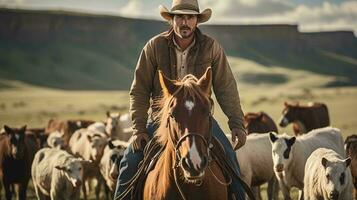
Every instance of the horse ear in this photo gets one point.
(286, 104)
(8, 130)
(168, 86)
(23, 129)
(206, 80)
(108, 113)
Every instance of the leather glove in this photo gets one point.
(238, 138)
(140, 140)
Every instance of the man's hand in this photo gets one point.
(139, 141)
(238, 138)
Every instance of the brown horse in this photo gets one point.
(184, 169)
(305, 118)
(17, 150)
(259, 122)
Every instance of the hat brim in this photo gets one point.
(202, 17)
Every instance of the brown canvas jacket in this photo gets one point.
(159, 53)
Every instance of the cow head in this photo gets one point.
(55, 140)
(96, 146)
(16, 141)
(73, 171)
(116, 153)
(112, 123)
(281, 150)
(335, 176)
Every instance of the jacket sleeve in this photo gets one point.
(225, 88)
(141, 88)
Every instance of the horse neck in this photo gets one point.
(162, 175)
(304, 122)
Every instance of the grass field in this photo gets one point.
(261, 89)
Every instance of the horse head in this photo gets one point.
(16, 141)
(186, 122)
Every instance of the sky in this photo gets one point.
(310, 15)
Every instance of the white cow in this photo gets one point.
(109, 165)
(55, 140)
(256, 163)
(114, 129)
(97, 127)
(126, 123)
(327, 176)
(290, 155)
(89, 145)
(56, 174)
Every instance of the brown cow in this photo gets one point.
(66, 127)
(17, 150)
(259, 122)
(305, 118)
(351, 151)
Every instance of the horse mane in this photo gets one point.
(187, 88)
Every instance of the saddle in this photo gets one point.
(153, 151)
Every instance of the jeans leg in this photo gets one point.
(235, 186)
(129, 164)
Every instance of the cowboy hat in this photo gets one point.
(188, 7)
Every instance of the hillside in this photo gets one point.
(77, 51)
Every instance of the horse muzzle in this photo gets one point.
(194, 170)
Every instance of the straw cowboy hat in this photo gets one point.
(189, 7)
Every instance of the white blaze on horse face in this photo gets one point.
(194, 155)
(284, 121)
(189, 106)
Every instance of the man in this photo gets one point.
(180, 51)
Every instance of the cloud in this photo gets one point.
(325, 16)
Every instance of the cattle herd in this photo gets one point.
(68, 157)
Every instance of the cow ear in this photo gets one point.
(168, 86)
(108, 113)
(324, 162)
(89, 137)
(8, 130)
(111, 145)
(59, 167)
(347, 161)
(291, 141)
(272, 137)
(205, 81)
(286, 104)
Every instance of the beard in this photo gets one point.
(186, 32)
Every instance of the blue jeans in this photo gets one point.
(130, 161)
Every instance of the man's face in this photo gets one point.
(184, 25)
